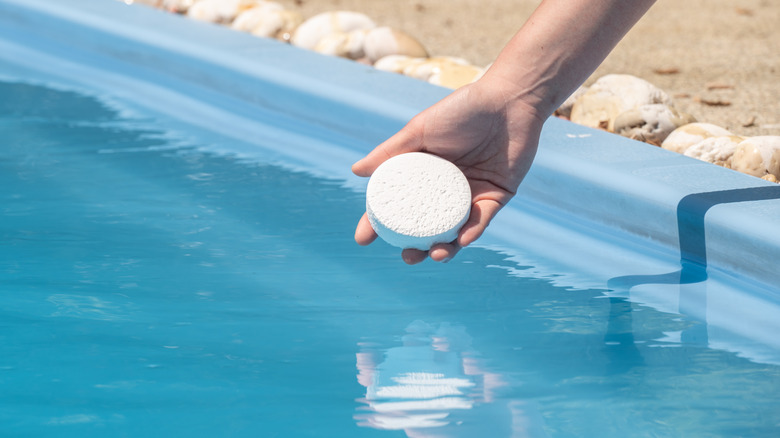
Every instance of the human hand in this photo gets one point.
(491, 137)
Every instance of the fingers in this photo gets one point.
(405, 140)
(364, 233)
(441, 252)
(368, 164)
(482, 212)
(413, 256)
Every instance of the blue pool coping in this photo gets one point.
(202, 74)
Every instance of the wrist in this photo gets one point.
(517, 101)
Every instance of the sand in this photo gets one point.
(719, 59)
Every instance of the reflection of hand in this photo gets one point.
(492, 141)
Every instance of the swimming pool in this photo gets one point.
(177, 259)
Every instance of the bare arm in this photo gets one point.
(560, 45)
(490, 129)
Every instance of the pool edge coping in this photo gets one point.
(579, 171)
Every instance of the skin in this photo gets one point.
(490, 129)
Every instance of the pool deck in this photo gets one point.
(714, 220)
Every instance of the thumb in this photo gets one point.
(482, 212)
(405, 140)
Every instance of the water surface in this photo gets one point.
(150, 287)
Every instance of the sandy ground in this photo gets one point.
(719, 59)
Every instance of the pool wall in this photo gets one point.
(207, 76)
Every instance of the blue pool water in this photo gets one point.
(152, 287)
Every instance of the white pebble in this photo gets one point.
(152, 3)
(416, 200)
(385, 41)
(177, 6)
(565, 109)
(397, 63)
(758, 156)
(610, 96)
(455, 75)
(311, 31)
(688, 135)
(268, 20)
(715, 150)
(427, 67)
(650, 123)
(446, 71)
(343, 44)
(219, 11)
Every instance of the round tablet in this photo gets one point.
(415, 200)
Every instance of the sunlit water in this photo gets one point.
(150, 288)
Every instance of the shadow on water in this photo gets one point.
(692, 275)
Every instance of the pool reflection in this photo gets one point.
(434, 384)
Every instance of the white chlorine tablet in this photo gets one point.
(415, 200)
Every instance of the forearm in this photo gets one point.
(560, 45)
